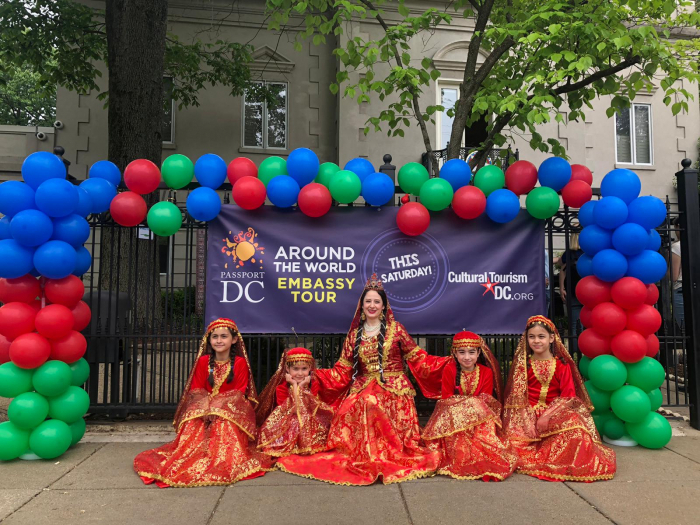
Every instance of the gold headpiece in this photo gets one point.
(221, 323)
(373, 283)
(297, 355)
(466, 340)
(540, 319)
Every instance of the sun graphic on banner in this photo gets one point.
(243, 248)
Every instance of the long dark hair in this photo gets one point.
(380, 337)
(212, 359)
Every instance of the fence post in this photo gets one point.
(688, 206)
(388, 167)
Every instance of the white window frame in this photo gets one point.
(172, 116)
(447, 84)
(633, 137)
(265, 145)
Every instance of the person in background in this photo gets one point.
(568, 290)
(677, 276)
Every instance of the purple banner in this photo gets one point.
(274, 270)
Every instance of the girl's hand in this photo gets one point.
(289, 379)
(543, 423)
(306, 381)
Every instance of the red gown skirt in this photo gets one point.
(375, 434)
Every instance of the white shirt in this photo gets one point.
(676, 250)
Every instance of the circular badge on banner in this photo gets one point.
(413, 270)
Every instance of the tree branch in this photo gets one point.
(568, 88)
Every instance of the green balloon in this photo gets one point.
(178, 171)
(489, 179)
(599, 398)
(436, 194)
(614, 428)
(345, 186)
(52, 378)
(656, 399)
(411, 177)
(607, 372)
(631, 404)
(69, 406)
(646, 374)
(13, 441)
(654, 431)
(542, 202)
(80, 371)
(271, 167)
(601, 418)
(50, 439)
(326, 172)
(583, 365)
(77, 431)
(164, 219)
(14, 380)
(28, 410)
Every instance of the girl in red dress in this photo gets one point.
(547, 412)
(465, 421)
(299, 421)
(215, 420)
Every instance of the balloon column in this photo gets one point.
(619, 267)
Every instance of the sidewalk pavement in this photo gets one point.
(94, 483)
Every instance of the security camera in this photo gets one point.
(58, 124)
(41, 135)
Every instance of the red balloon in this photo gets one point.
(81, 316)
(629, 293)
(314, 200)
(629, 346)
(585, 317)
(469, 202)
(652, 294)
(652, 345)
(4, 349)
(36, 304)
(30, 350)
(582, 173)
(576, 193)
(239, 168)
(69, 348)
(608, 319)
(54, 321)
(521, 177)
(67, 291)
(128, 209)
(142, 176)
(592, 344)
(591, 291)
(413, 218)
(646, 320)
(22, 289)
(249, 193)
(406, 199)
(16, 319)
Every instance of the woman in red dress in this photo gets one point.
(547, 412)
(465, 421)
(215, 420)
(375, 432)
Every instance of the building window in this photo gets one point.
(448, 99)
(265, 116)
(167, 129)
(633, 135)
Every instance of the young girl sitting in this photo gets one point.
(547, 411)
(215, 421)
(463, 426)
(299, 424)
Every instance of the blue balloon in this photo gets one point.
(57, 197)
(621, 183)
(84, 202)
(609, 265)
(377, 189)
(630, 239)
(585, 214)
(584, 266)
(210, 171)
(15, 196)
(203, 204)
(502, 206)
(72, 229)
(5, 228)
(83, 261)
(456, 172)
(104, 169)
(654, 243)
(610, 212)
(647, 211)
(101, 192)
(31, 228)
(360, 167)
(594, 239)
(15, 259)
(41, 166)
(554, 173)
(56, 259)
(649, 267)
(283, 191)
(302, 166)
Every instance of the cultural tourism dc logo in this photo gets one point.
(413, 270)
(243, 249)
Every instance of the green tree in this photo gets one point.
(540, 58)
(22, 102)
